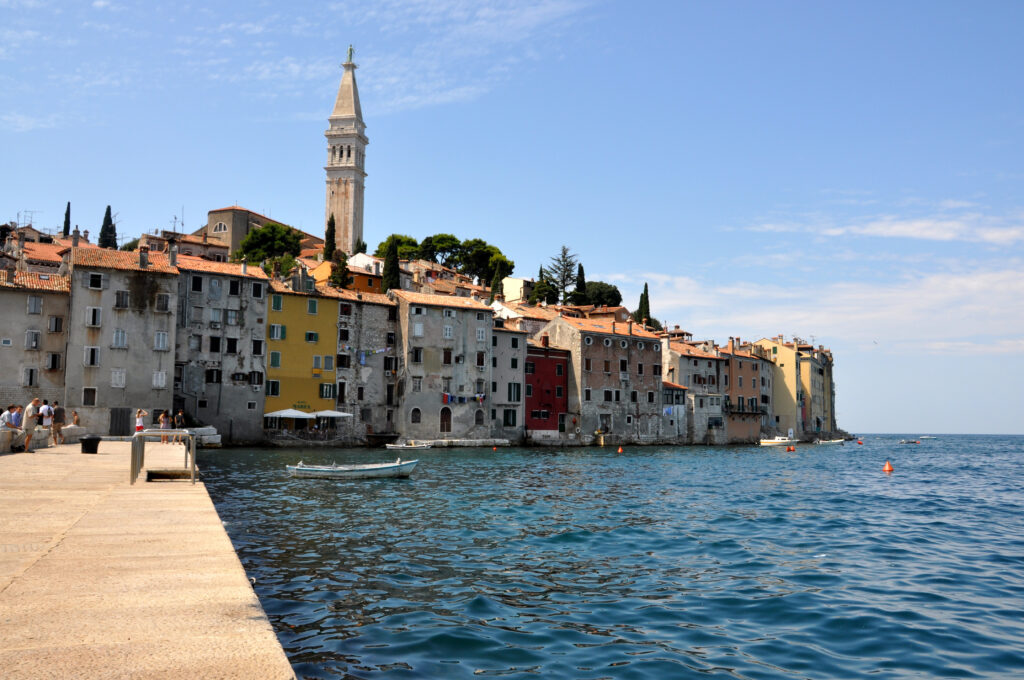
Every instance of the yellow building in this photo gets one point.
(302, 343)
(803, 390)
(788, 402)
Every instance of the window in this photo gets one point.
(234, 287)
(55, 324)
(232, 319)
(417, 330)
(359, 396)
(449, 313)
(232, 345)
(35, 304)
(159, 380)
(417, 355)
(197, 284)
(739, 379)
(617, 395)
(277, 331)
(588, 340)
(160, 341)
(390, 339)
(256, 377)
(481, 359)
(95, 282)
(311, 306)
(30, 377)
(529, 390)
(202, 403)
(446, 356)
(586, 364)
(275, 359)
(117, 377)
(215, 343)
(494, 362)
(656, 370)
(219, 227)
(343, 335)
(633, 396)
(509, 418)
(33, 339)
(558, 391)
(417, 384)
(414, 416)
(639, 369)
(448, 332)
(417, 311)
(623, 366)
(312, 336)
(607, 342)
(560, 369)
(607, 366)
(93, 316)
(250, 405)
(344, 309)
(92, 356)
(276, 303)
(515, 343)
(121, 299)
(257, 290)
(586, 394)
(515, 391)
(607, 395)
(216, 314)
(53, 361)
(317, 362)
(257, 348)
(344, 361)
(650, 397)
(481, 335)
(88, 396)
(213, 375)
(446, 385)
(327, 390)
(163, 302)
(273, 388)
(529, 367)
(514, 362)
(195, 342)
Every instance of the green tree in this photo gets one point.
(131, 245)
(67, 220)
(391, 277)
(340, 277)
(108, 232)
(285, 264)
(561, 272)
(601, 294)
(579, 294)
(270, 241)
(441, 248)
(543, 291)
(360, 246)
(407, 246)
(643, 309)
(329, 238)
(502, 267)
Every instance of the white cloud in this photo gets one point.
(973, 227)
(18, 122)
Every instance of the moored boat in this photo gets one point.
(829, 441)
(359, 471)
(779, 441)
(410, 445)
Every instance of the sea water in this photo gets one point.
(660, 562)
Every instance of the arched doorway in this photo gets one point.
(446, 419)
(479, 417)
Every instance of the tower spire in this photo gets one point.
(346, 155)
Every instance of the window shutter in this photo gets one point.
(282, 331)
(106, 281)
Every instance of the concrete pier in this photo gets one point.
(101, 579)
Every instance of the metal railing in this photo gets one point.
(138, 457)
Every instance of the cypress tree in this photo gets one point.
(497, 285)
(329, 240)
(391, 277)
(108, 232)
(579, 295)
(643, 310)
(67, 220)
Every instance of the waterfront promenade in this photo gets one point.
(100, 579)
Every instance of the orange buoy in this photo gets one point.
(859, 442)
(620, 449)
(790, 448)
(494, 448)
(887, 468)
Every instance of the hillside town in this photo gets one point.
(181, 323)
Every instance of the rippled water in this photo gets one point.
(656, 563)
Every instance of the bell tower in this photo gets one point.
(346, 158)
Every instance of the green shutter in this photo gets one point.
(282, 331)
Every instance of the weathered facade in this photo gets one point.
(33, 339)
(220, 354)
(548, 420)
(508, 378)
(744, 411)
(788, 398)
(698, 368)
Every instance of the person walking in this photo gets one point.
(58, 423)
(46, 411)
(140, 420)
(165, 424)
(179, 424)
(29, 421)
(8, 422)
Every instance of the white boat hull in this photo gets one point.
(779, 441)
(407, 447)
(371, 470)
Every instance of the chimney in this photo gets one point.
(629, 326)
(245, 265)
(376, 270)
(172, 256)
(613, 326)
(644, 322)
(85, 235)
(74, 237)
(205, 238)
(544, 340)
(143, 256)
(21, 240)
(499, 297)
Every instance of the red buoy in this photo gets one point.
(859, 442)
(620, 449)
(887, 468)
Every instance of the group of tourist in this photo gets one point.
(24, 423)
(165, 423)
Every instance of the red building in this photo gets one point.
(547, 391)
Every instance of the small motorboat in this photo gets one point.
(926, 436)
(823, 442)
(410, 445)
(779, 441)
(364, 471)
(910, 441)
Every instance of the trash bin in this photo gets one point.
(90, 443)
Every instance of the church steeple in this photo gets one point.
(346, 155)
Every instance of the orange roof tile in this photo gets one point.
(673, 386)
(691, 351)
(605, 327)
(44, 252)
(503, 329)
(440, 300)
(355, 295)
(533, 312)
(198, 264)
(103, 258)
(35, 281)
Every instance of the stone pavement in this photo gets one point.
(100, 579)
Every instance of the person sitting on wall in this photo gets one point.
(7, 422)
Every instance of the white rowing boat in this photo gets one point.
(408, 446)
(364, 471)
(823, 442)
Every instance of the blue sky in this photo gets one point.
(847, 172)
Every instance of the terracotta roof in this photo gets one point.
(35, 281)
(310, 252)
(309, 263)
(532, 312)
(673, 386)
(440, 300)
(502, 329)
(65, 242)
(355, 295)
(44, 252)
(691, 351)
(198, 264)
(356, 269)
(103, 258)
(605, 327)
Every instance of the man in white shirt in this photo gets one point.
(6, 422)
(29, 422)
(47, 412)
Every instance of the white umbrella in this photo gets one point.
(289, 413)
(332, 414)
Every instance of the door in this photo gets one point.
(446, 419)
(121, 422)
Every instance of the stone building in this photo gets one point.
(187, 244)
(698, 368)
(229, 226)
(33, 336)
(744, 412)
(120, 338)
(444, 352)
(346, 162)
(615, 380)
(548, 420)
(220, 352)
(508, 378)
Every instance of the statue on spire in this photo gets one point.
(351, 54)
